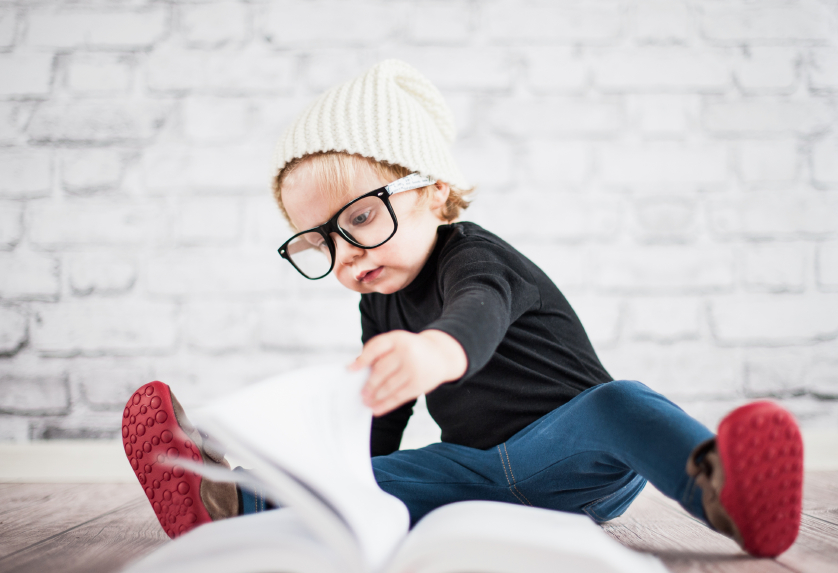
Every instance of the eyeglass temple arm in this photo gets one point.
(408, 183)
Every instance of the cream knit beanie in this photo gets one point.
(389, 113)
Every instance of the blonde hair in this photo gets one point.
(334, 172)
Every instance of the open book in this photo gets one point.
(306, 437)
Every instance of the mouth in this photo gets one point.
(370, 275)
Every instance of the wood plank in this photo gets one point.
(104, 544)
(655, 524)
(38, 511)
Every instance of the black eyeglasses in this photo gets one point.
(366, 222)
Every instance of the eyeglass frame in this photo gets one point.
(406, 183)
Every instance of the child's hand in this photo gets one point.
(405, 365)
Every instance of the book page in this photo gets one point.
(269, 541)
(494, 537)
(312, 425)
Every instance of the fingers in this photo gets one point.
(372, 351)
(382, 371)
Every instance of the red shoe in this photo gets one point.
(751, 476)
(156, 434)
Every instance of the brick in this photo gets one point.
(208, 220)
(776, 372)
(33, 393)
(773, 320)
(328, 67)
(487, 162)
(101, 273)
(453, 68)
(440, 22)
(600, 316)
(684, 371)
(198, 378)
(774, 216)
(824, 165)
(264, 226)
(661, 68)
(105, 326)
(8, 23)
(553, 164)
(91, 170)
(766, 117)
(254, 69)
(665, 269)
(11, 224)
(106, 383)
(821, 378)
(214, 24)
(664, 163)
(14, 429)
(91, 222)
(554, 69)
(13, 119)
(25, 74)
(736, 22)
(26, 173)
(556, 116)
(312, 323)
(28, 276)
(769, 163)
(665, 319)
(764, 69)
(167, 169)
(100, 73)
(827, 265)
(372, 22)
(97, 121)
(106, 28)
(13, 331)
(569, 266)
(213, 272)
(562, 216)
(216, 326)
(215, 120)
(664, 220)
(661, 22)
(663, 114)
(823, 69)
(544, 22)
(774, 267)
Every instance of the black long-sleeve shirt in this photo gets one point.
(527, 350)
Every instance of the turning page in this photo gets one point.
(311, 426)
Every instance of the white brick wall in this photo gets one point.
(671, 164)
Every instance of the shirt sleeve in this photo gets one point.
(485, 288)
(387, 430)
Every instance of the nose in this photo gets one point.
(345, 252)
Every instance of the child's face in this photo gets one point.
(385, 269)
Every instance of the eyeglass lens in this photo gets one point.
(367, 222)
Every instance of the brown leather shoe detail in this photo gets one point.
(220, 498)
(705, 465)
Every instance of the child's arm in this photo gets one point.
(406, 365)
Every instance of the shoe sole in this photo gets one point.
(154, 441)
(762, 454)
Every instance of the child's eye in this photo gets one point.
(360, 218)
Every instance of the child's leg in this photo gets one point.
(156, 434)
(588, 456)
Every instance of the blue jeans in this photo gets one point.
(592, 455)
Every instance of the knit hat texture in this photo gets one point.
(389, 113)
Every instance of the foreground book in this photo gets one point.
(306, 437)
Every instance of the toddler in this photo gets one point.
(528, 413)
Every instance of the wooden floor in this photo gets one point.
(96, 528)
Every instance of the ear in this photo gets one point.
(439, 194)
